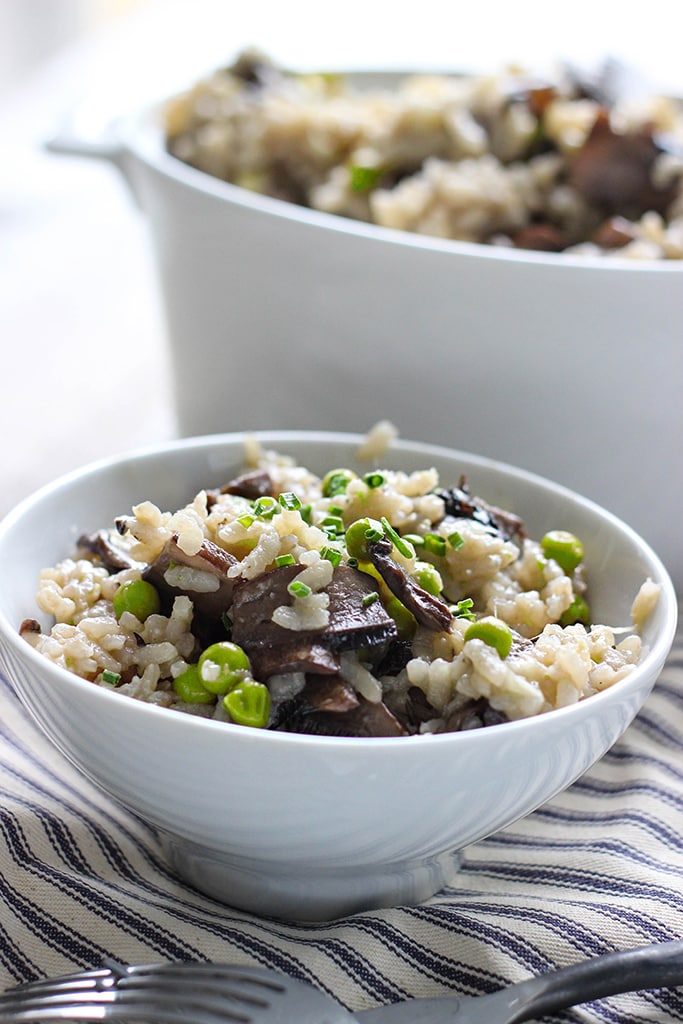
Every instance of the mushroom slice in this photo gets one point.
(253, 485)
(203, 577)
(460, 503)
(367, 719)
(614, 171)
(353, 623)
(30, 628)
(330, 694)
(299, 656)
(475, 714)
(541, 237)
(430, 611)
(101, 544)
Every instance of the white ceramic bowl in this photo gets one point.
(308, 826)
(283, 317)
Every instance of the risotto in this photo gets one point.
(555, 163)
(378, 604)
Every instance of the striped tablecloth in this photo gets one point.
(598, 868)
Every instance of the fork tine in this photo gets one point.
(127, 1006)
(147, 1001)
(251, 986)
(205, 993)
(95, 980)
(145, 1014)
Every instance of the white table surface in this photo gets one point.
(81, 325)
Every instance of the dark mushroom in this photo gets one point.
(535, 93)
(253, 485)
(353, 622)
(614, 171)
(541, 237)
(300, 655)
(330, 694)
(614, 233)
(100, 544)
(459, 503)
(475, 714)
(255, 70)
(364, 720)
(417, 708)
(30, 627)
(396, 658)
(206, 582)
(430, 611)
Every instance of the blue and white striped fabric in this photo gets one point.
(598, 868)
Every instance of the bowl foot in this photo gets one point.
(307, 892)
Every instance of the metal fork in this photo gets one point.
(206, 993)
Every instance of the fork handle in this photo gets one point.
(646, 967)
(657, 966)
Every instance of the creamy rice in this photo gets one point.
(538, 162)
(341, 639)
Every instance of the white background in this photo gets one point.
(84, 363)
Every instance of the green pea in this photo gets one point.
(138, 597)
(564, 548)
(191, 689)
(223, 666)
(248, 704)
(578, 611)
(429, 577)
(493, 632)
(336, 482)
(359, 534)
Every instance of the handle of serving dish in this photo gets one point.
(81, 136)
(75, 137)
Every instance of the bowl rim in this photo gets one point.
(655, 655)
(141, 135)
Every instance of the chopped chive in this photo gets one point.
(455, 540)
(331, 555)
(113, 678)
(336, 482)
(266, 507)
(246, 521)
(414, 538)
(298, 589)
(435, 543)
(399, 542)
(463, 609)
(305, 512)
(370, 599)
(352, 562)
(284, 560)
(373, 480)
(335, 510)
(289, 500)
(335, 523)
(227, 622)
(372, 535)
(363, 178)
